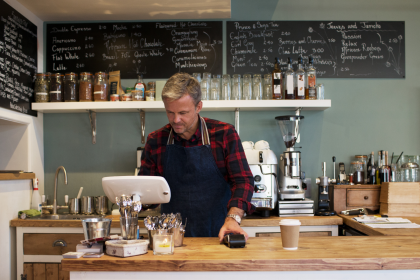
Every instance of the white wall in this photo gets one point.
(22, 147)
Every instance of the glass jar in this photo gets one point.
(48, 78)
(56, 88)
(236, 87)
(247, 87)
(100, 87)
(150, 95)
(152, 88)
(214, 89)
(363, 160)
(85, 87)
(126, 97)
(267, 92)
(226, 87)
(137, 95)
(41, 88)
(410, 172)
(257, 87)
(163, 243)
(356, 168)
(205, 86)
(114, 97)
(197, 76)
(71, 87)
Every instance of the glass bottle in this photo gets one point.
(247, 87)
(100, 87)
(268, 87)
(85, 87)
(277, 80)
(310, 90)
(257, 87)
(226, 87)
(56, 88)
(385, 169)
(140, 86)
(236, 87)
(71, 87)
(42, 88)
(371, 170)
(288, 80)
(378, 179)
(300, 81)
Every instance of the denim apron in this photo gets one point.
(198, 189)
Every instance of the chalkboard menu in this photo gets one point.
(341, 49)
(18, 60)
(153, 49)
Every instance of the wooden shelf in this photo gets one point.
(157, 106)
(16, 176)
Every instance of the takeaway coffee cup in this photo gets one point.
(289, 233)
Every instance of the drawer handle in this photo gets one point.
(366, 197)
(60, 242)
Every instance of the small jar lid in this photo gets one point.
(356, 162)
(71, 74)
(360, 156)
(410, 165)
(103, 74)
(86, 74)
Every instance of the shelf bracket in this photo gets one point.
(143, 125)
(92, 118)
(237, 120)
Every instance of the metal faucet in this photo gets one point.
(55, 206)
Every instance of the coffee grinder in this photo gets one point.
(290, 175)
(323, 198)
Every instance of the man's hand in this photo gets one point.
(232, 226)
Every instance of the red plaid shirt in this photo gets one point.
(227, 151)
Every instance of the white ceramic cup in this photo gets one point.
(289, 229)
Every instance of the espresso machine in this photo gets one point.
(263, 164)
(290, 174)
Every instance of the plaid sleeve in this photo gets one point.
(239, 174)
(149, 158)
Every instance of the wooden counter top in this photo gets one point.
(348, 220)
(246, 222)
(267, 254)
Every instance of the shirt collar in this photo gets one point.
(196, 136)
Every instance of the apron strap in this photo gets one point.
(204, 134)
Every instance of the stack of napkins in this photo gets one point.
(377, 222)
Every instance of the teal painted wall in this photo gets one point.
(366, 114)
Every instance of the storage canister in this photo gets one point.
(41, 88)
(100, 87)
(56, 88)
(85, 87)
(363, 160)
(410, 172)
(71, 86)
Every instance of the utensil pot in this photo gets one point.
(87, 205)
(101, 205)
(74, 206)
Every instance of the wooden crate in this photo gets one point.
(400, 192)
(400, 209)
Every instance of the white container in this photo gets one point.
(126, 248)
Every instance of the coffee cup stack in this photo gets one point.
(289, 229)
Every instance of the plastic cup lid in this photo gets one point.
(289, 222)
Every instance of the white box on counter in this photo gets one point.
(126, 248)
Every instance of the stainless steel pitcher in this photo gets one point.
(101, 205)
(87, 205)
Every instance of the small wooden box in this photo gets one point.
(400, 192)
(345, 197)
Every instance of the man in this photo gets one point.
(203, 162)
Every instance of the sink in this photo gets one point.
(65, 217)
